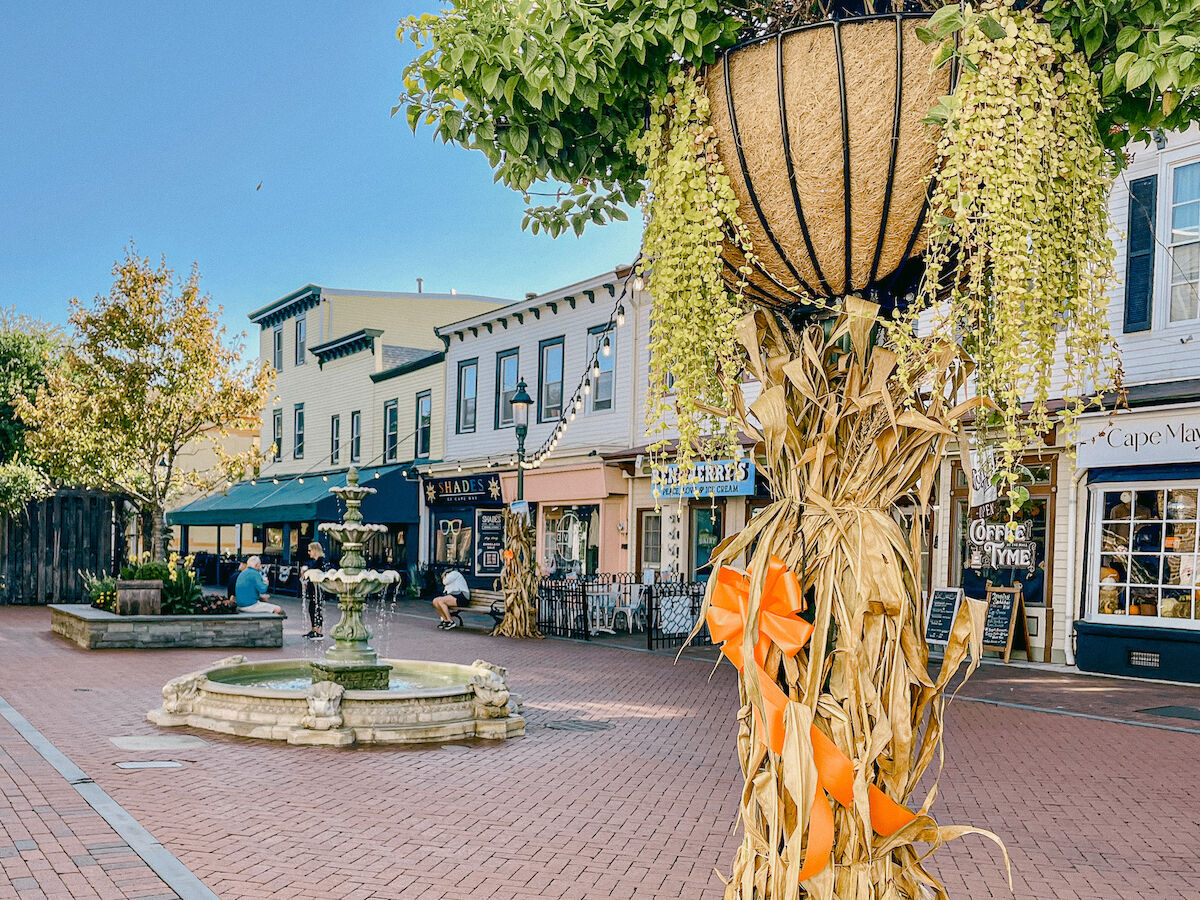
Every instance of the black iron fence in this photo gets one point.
(672, 610)
(617, 603)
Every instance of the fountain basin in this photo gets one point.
(424, 701)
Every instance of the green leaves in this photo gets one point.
(555, 91)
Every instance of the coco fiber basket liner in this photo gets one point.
(820, 131)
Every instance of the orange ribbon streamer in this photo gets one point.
(778, 623)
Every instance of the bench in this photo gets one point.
(488, 603)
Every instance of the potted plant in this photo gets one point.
(814, 177)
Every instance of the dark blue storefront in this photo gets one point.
(284, 512)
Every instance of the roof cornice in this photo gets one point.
(356, 342)
(285, 307)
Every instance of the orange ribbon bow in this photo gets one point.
(778, 623)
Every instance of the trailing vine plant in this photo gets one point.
(689, 209)
(1019, 254)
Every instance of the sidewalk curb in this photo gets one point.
(165, 865)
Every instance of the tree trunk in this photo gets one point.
(160, 535)
(845, 718)
(518, 580)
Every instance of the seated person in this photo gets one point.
(251, 592)
(231, 588)
(457, 593)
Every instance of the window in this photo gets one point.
(550, 379)
(1139, 254)
(391, 431)
(602, 384)
(506, 386)
(651, 541)
(277, 434)
(468, 372)
(298, 432)
(300, 340)
(1185, 243)
(355, 436)
(277, 349)
(424, 422)
(335, 438)
(1145, 564)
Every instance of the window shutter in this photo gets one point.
(1139, 254)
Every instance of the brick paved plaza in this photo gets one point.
(643, 808)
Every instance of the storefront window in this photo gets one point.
(651, 541)
(978, 564)
(452, 531)
(707, 530)
(572, 544)
(1145, 564)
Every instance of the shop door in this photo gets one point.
(970, 569)
(649, 556)
(707, 531)
(572, 540)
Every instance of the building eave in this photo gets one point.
(406, 368)
(355, 342)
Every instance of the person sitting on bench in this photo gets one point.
(457, 593)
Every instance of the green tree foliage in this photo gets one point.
(29, 348)
(556, 90)
(147, 376)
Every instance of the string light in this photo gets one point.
(639, 283)
(606, 349)
(300, 480)
(596, 369)
(274, 481)
(621, 315)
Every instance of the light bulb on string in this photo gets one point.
(587, 387)
(572, 415)
(460, 467)
(324, 477)
(596, 370)
(639, 283)
(606, 348)
(620, 316)
(300, 480)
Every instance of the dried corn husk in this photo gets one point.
(518, 580)
(844, 444)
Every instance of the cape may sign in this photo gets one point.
(989, 547)
(722, 478)
(1131, 438)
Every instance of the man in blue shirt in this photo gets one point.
(251, 592)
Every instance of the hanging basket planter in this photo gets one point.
(820, 131)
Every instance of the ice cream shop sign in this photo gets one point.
(997, 545)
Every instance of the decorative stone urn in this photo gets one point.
(351, 661)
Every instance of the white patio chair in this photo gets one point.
(633, 607)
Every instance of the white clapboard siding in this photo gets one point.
(545, 317)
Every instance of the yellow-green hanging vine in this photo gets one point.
(1019, 254)
(690, 208)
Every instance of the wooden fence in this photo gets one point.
(43, 549)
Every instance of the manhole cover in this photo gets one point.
(149, 764)
(159, 742)
(580, 724)
(1174, 712)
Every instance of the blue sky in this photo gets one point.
(156, 121)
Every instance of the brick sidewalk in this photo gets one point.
(52, 844)
(644, 808)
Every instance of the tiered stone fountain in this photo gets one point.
(351, 662)
(351, 695)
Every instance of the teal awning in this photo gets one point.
(261, 501)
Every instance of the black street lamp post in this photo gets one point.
(521, 402)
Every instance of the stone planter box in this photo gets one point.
(96, 629)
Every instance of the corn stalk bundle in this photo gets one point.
(518, 580)
(844, 444)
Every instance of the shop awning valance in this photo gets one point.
(262, 501)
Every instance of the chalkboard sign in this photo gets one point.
(1005, 612)
(941, 613)
(489, 542)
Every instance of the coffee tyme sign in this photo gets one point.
(993, 545)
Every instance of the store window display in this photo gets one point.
(1147, 553)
